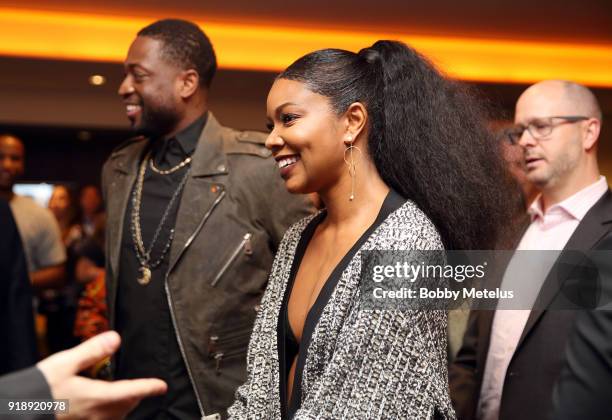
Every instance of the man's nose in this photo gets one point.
(126, 87)
(526, 139)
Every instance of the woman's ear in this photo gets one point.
(189, 83)
(356, 117)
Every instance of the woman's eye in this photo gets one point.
(287, 118)
(270, 127)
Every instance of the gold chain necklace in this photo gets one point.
(187, 161)
(143, 255)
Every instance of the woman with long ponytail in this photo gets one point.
(402, 160)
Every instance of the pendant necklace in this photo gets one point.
(144, 254)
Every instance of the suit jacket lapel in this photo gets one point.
(593, 227)
(204, 189)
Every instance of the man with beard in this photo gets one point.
(511, 359)
(195, 214)
(39, 231)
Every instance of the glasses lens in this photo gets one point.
(514, 134)
(540, 128)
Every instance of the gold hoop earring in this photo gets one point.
(352, 166)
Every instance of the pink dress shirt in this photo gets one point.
(549, 230)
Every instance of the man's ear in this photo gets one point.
(356, 117)
(592, 129)
(189, 83)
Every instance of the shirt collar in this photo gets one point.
(576, 206)
(186, 140)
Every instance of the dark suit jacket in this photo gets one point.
(28, 383)
(539, 356)
(18, 349)
(583, 388)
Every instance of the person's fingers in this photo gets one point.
(102, 400)
(134, 389)
(80, 357)
(92, 350)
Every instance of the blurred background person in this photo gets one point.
(16, 315)
(66, 213)
(58, 305)
(91, 207)
(84, 283)
(92, 316)
(40, 233)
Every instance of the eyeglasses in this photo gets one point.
(540, 128)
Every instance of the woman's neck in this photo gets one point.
(369, 192)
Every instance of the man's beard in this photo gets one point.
(156, 122)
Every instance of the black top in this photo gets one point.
(292, 345)
(16, 317)
(149, 344)
(288, 346)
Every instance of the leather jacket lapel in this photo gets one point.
(125, 166)
(204, 189)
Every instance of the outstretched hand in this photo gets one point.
(90, 398)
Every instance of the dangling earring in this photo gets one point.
(352, 164)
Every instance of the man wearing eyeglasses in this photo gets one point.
(511, 359)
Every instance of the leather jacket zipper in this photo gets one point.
(173, 317)
(248, 250)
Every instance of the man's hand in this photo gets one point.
(89, 398)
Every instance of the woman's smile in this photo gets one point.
(286, 164)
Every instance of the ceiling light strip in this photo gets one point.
(92, 37)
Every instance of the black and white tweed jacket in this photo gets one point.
(360, 364)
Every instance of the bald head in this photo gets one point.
(571, 98)
(563, 121)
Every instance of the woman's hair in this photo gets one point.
(427, 136)
(72, 214)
